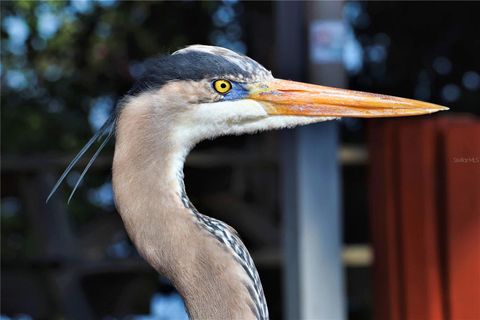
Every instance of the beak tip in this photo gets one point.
(440, 108)
(433, 108)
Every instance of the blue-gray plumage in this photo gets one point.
(194, 65)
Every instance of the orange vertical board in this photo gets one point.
(462, 214)
(416, 203)
(383, 221)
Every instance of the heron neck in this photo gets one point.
(148, 187)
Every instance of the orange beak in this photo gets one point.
(284, 97)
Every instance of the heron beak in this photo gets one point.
(284, 97)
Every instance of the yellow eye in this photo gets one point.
(222, 86)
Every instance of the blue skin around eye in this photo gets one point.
(238, 91)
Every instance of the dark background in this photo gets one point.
(65, 64)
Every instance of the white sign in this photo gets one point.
(327, 40)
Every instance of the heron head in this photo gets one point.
(202, 92)
(206, 91)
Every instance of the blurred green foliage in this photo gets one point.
(59, 56)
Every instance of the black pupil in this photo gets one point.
(223, 86)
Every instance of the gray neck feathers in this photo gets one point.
(203, 257)
(229, 238)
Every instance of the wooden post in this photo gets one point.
(314, 286)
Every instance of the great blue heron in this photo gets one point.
(196, 93)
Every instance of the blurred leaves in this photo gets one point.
(59, 56)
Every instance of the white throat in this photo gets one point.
(236, 117)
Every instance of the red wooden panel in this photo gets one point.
(418, 217)
(386, 282)
(425, 218)
(462, 175)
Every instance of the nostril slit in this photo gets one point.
(287, 91)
